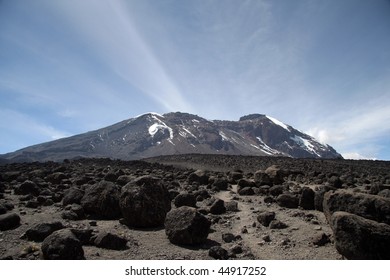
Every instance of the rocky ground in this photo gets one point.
(195, 207)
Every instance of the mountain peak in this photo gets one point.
(153, 134)
(251, 117)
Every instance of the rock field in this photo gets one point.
(195, 207)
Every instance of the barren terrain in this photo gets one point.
(296, 231)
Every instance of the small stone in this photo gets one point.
(228, 237)
(219, 253)
(321, 239)
(266, 238)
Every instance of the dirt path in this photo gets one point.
(294, 242)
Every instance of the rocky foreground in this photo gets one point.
(195, 207)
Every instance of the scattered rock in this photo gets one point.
(145, 202)
(40, 231)
(360, 238)
(228, 237)
(218, 253)
(275, 224)
(262, 178)
(321, 239)
(231, 206)
(27, 187)
(369, 206)
(306, 200)
(102, 200)
(276, 174)
(186, 226)
(218, 207)
(72, 195)
(62, 245)
(287, 200)
(236, 249)
(185, 199)
(199, 177)
(9, 221)
(110, 241)
(73, 212)
(246, 191)
(266, 218)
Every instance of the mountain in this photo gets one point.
(152, 134)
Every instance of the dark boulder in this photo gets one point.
(276, 174)
(360, 238)
(306, 199)
(321, 239)
(185, 199)
(110, 241)
(27, 187)
(72, 195)
(287, 200)
(62, 245)
(9, 221)
(102, 200)
(369, 206)
(221, 184)
(40, 231)
(218, 207)
(246, 191)
(144, 202)
(276, 224)
(228, 237)
(262, 178)
(266, 218)
(3, 209)
(56, 177)
(276, 190)
(218, 253)
(231, 206)
(73, 212)
(199, 177)
(186, 226)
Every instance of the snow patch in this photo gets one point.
(305, 143)
(279, 123)
(186, 131)
(267, 149)
(154, 128)
(224, 137)
(150, 113)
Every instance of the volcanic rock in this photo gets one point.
(62, 245)
(144, 202)
(287, 200)
(306, 200)
(102, 200)
(266, 218)
(369, 206)
(360, 238)
(110, 241)
(186, 226)
(9, 221)
(40, 231)
(185, 199)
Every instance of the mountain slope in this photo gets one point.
(152, 134)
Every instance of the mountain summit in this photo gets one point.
(153, 134)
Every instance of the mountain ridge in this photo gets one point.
(152, 134)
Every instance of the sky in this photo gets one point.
(323, 67)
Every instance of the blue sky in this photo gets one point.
(67, 67)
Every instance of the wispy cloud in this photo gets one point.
(25, 130)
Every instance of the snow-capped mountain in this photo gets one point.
(153, 134)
